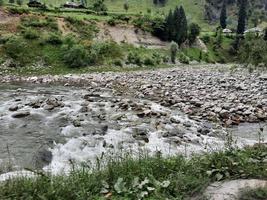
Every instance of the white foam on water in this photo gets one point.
(16, 174)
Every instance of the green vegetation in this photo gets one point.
(144, 177)
(174, 50)
(257, 194)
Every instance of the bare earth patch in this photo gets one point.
(129, 34)
(231, 190)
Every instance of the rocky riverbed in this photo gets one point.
(168, 111)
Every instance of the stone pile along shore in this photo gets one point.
(214, 93)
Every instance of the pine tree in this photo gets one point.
(176, 25)
(223, 16)
(242, 17)
(183, 27)
(170, 32)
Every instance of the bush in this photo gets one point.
(76, 56)
(194, 31)
(183, 58)
(206, 39)
(99, 6)
(118, 63)
(134, 58)
(148, 61)
(112, 22)
(253, 51)
(107, 50)
(173, 51)
(16, 49)
(53, 39)
(30, 34)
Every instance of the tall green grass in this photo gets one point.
(142, 178)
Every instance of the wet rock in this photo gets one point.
(77, 123)
(140, 133)
(43, 158)
(13, 108)
(21, 114)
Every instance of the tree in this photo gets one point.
(11, 1)
(194, 31)
(223, 16)
(126, 6)
(170, 30)
(219, 38)
(180, 26)
(182, 30)
(242, 17)
(174, 50)
(1, 2)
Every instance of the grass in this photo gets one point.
(193, 8)
(142, 178)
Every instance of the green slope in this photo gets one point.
(194, 8)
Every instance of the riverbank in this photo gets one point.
(143, 177)
(218, 93)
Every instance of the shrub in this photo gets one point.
(53, 39)
(16, 49)
(194, 31)
(30, 34)
(148, 61)
(173, 50)
(253, 51)
(118, 63)
(206, 39)
(99, 6)
(183, 58)
(134, 58)
(112, 22)
(76, 56)
(103, 50)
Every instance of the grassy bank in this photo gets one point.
(143, 178)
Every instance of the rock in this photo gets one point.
(84, 109)
(21, 114)
(49, 107)
(140, 133)
(43, 158)
(175, 119)
(77, 123)
(263, 77)
(13, 108)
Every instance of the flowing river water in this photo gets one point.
(52, 126)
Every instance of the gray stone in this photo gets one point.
(21, 114)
